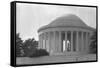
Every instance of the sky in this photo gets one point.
(30, 17)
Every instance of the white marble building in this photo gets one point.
(66, 35)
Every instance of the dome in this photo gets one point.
(68, 20)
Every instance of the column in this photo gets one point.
(45, 46)
(44, 42)
(85, 48)
(40, 41)
(77, 41)
(72, 41)
(66, 40)
(54, 40)
(60, 42)
(88, 42)
(82, 42)
(49, 41)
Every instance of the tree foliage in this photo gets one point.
(29, 46)
(19, 43)
(93, 45)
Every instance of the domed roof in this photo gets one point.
(68, 20)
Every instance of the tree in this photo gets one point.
(93, 45)
(19, 51)
(29, 46)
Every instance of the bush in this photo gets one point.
(93, 45)
(39, 53)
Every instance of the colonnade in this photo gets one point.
(64, 41)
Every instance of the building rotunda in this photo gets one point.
(66, 35)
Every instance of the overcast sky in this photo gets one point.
(30, 17)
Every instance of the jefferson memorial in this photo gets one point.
(66, 35)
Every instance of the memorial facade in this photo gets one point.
(66, 35)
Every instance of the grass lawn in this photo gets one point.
(54, 59)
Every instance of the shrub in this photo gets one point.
(93, 45)
(39, 53)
